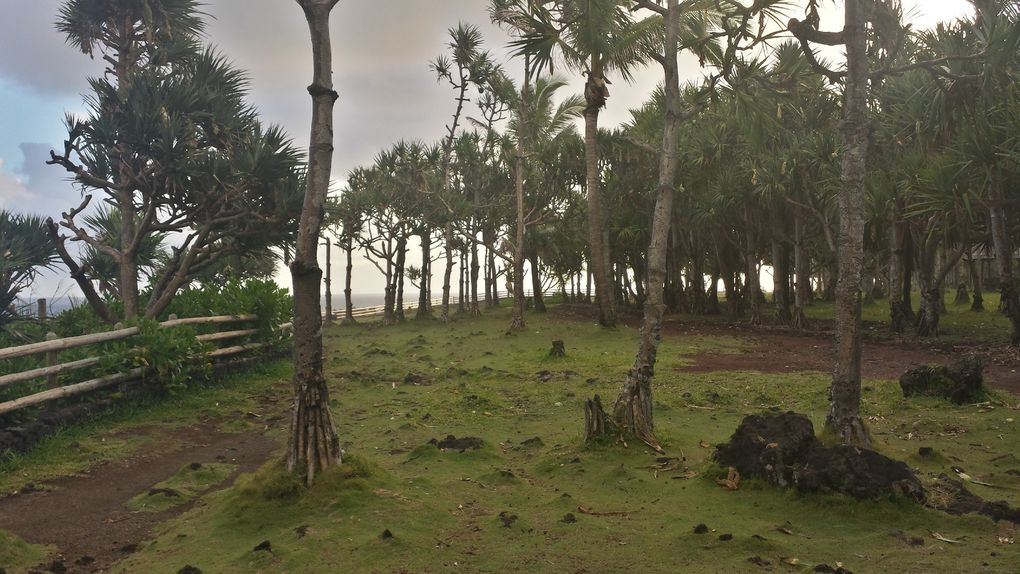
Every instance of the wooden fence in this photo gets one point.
(53, 368)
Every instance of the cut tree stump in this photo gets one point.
(597, 423)
(558, 349)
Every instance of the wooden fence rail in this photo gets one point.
(53, 346)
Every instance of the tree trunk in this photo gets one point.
(780, 283)
(536, 284)
(314, 445)
(844, 419)
(632, 412)
(517, 317)
(802, 270)
(348, 304)
(977, 300)
(604, 288)
(1009, 302)
(897, 318)
(398, 306)
(328, 282)
(426, 262)
(475, 309)
(448, 271)
(752, 285)
(907, 253)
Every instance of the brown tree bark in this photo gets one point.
(844, 418)
(329, 283)
(632, 412)
(801, 269)
(314, 445)
(1009, 302)
(604, 288)
(348, 304)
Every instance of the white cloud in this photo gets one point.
(12, 190)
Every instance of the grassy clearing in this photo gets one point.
(528, 500)
(140, 423)
(959, 325)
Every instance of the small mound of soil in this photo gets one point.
(961, 383)
(784, 451)
(453, 443)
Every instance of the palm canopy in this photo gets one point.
(24, 250)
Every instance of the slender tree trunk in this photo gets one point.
(314, 445)
(604, 295)
(780, 283)
(517, 317)
(802, 270)
(897, 318)
(977, 301)
(928, 316)
(1009, 302)
(328, 282)
(632, 412)
(536, 284)
(399, 278)
(907, 254)
(752, 285)
(844, 419)
(475, 309)
(426, 263)
(348, 303)
(448, 271)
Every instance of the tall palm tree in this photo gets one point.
(597, 38)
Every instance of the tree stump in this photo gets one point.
(558, 349)
(597, 423)
(962, 297)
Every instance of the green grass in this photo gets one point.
(502, 508)
(190, 482)
(17, 555)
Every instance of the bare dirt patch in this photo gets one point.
(85, 517)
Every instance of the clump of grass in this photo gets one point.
(189, 483)
(17, 555)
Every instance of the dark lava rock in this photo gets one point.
(57, 567)
(265, 545)
(954, 498)
(830, 570)
(461, 444)
(961, 383)
(568, 518)
(544, 376)
(167, 492)
(725, 537)
(129, 548)
(386, 535)
(195, 466)
(533, 442)
(784, 451)
(759, 561)
(417, 379)
(507, 519)
(301, 531)
(84, 561)
(189, 569)
(907, 538)
(926, 452)
(701, 529)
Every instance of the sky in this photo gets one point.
(381, 54)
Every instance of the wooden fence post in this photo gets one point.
(52, 357)
(42, 309)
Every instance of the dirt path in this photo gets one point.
(84, 517)
(781, 352)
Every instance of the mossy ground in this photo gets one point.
(502, 508)
(189, 482)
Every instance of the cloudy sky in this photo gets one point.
(382, 49)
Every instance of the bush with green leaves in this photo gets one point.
(174, 357)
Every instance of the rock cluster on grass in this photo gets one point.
(961, 383)
(784, 451)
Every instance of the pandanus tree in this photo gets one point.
(314, 445)
(597, 38)
(170, 143)
(346, 219)
(469, 66)
(24, 251)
